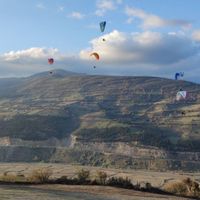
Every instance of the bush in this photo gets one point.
(176, 188)
(120, 182)
(186, 187)
(65, 180)
(101, 177)
(40, 175)
(148, 186)
(83, 175)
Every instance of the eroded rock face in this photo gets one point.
(136, 151)
(51, 142)
(120, 155)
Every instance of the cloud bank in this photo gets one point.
(106, 5)
(142, 48)
(144, 53)
(76, 15)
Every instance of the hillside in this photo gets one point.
(101, 120)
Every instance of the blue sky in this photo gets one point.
(143, 37)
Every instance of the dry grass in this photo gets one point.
(12, 178)
(157, 179)
(186, 187)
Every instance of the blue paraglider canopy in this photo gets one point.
(178, 75)
(102, 26)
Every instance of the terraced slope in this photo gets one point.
(119, 119)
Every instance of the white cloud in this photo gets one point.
(93, 26)
(34, 53)
(76, 15)
(61, 8)
(119, 1)
(196, 35)
(143, 53)
(34, 60)
(40, 6)
(154, 21)
(142, 48)
(106, 4)
(129, 20)
(103, 6)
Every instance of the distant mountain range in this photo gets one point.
(116, 121)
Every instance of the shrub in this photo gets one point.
(83, 175)
(137, 186)
(186, 187)
(65, 180)
(40, 175)
(120, 182)
(148, 186)
(101, 177)
(192, 186)
(176, 188)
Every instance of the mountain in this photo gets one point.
(57, 73)
(128, 122)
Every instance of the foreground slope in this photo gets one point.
(101, 120)
(50, 192)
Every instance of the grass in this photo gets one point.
(43, 176)
(12, 178)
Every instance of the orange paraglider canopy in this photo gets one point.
(96, 55)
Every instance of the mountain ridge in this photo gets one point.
(56, 72)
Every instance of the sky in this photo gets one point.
(142, 37)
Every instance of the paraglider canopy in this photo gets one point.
(50, 61)
(181, 95)
(102, 26)
(178, 75)
(96, 55)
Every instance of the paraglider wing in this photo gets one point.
(176, 76)
(102, 26)
(96, 55)
(181, 95)
(50, 61)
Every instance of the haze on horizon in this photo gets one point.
(143, 37)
